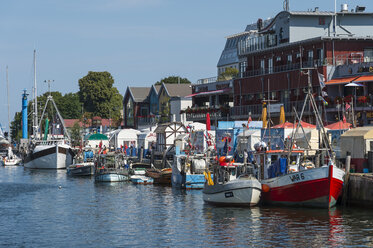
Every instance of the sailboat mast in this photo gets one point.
(35, 99)
(7, 93)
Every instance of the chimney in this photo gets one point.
(344, 7)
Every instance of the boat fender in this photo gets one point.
(265, 188)
(243, 170)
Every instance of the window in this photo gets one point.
(321, 21)
(273, 95)
(278, 58)
(262, 66)
(368, 55)
(270, 65)
(320, 56)
(298, 55)
(310, 55)
(290, 58)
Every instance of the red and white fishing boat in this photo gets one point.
(299, 185)
(289, 179)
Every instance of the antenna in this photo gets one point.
(7, 92)
(49, 85)
(286, 5)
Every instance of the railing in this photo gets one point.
(146, 120)
(202, 116)
(207, 80)
(256, 109)
(283, 68)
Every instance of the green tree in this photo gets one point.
(76, 134)
(173, 80)
(16, 127)
(228, 74)
(98, 95)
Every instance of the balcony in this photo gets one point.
(199, 114)
(284, 68)
(242, 112)
(207, 80)
(147, 120)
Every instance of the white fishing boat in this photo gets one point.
(233, 185)
(52, 151)
(138, 171)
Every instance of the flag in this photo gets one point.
(248, 121)
(321, 80)
(344, 119)
(325, 102)
(348, 106)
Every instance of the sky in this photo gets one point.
(138, 41)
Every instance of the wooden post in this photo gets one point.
(347, 179)
(141, 153)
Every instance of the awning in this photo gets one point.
(206, 93)
(346, 80)
(367, 78)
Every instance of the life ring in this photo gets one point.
(240, 155)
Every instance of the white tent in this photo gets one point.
(123, 137)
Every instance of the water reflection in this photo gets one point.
(84, 213)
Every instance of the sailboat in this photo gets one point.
(52, 151)
(287, 180)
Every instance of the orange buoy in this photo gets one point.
(265, 188)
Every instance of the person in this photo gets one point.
(245, 156)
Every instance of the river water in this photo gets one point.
(41, 208)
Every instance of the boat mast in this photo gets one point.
(7, 92)
(35, 94)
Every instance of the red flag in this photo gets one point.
(208, 122)
(248, 121)
(347, 106)
(344, 119)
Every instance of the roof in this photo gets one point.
(339, 125)
(345, 80)
(139, 94)
(178, 90)
(365, 132)
(98, 136)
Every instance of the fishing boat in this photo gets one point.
(299, 185)
(84, 164)
(233, 185)
(162, 176)
(110, 167)
(288, 178)
(187, 172)
(138, 171)
(54, 150)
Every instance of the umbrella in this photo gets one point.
(353, 84)
(282, 115)
(208, 122)
(264, 117)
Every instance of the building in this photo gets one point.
(278, 57)
(136, 107)
(173, 101)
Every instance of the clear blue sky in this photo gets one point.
(137, 41)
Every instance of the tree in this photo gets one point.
(98, 95)
(75, 134)
(173, 80)
(16, 127)
(228, 74)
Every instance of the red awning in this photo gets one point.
(345, 80)
(213, 92)
(366, 78)
(339, 125)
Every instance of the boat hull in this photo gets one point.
(319, 187)
(110, 177)
(160, 176)
(87, 169)
(141, 180)
(238, 192)
(49, 157)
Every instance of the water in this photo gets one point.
(48, 209)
